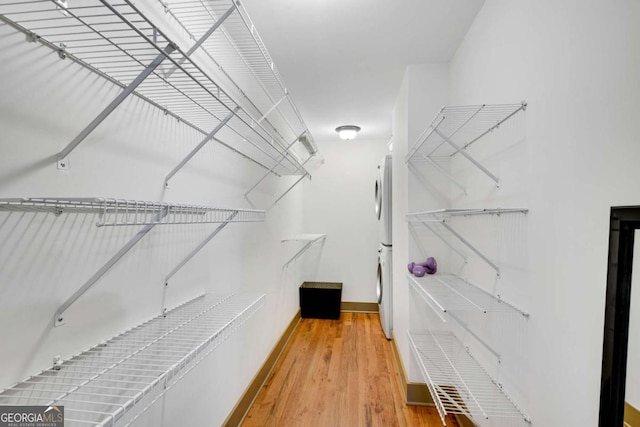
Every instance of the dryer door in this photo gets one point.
(378, 195)
(379, 287)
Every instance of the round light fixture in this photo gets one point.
(348, 132)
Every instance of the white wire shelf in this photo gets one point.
(239, 50)
(121, 378)
(303, 237)
(308, 239)
(455, 128)
(441, 216)
(116, 40)
(457, 382)
(117, 212)
(449, 292)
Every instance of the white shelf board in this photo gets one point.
(457, 382)
(449, 292)
(128, 373)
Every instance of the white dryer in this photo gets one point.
(383, 289)
(385, 273)
(383, 200)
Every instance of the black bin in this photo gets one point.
(320, 300)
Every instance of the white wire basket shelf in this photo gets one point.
(457, 382)
(442, 216)
(439, 215)
(118, 212)
(449, 292)
(119, 379)
(116, 40)
(455, 128)
(242, 57)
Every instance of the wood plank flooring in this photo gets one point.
(337, 373)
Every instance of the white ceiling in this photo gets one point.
(343, 60)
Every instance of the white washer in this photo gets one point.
(383, 289)
(383, 201)
(383, 215)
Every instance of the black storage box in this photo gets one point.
(320, 300)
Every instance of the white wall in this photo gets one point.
(339, 202)
(576, 63)
(43, 259)
(423, 92)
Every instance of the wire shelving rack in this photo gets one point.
(441, 216)
(457, 382)
(456, 128)
(119, 42)
(117, 380)
(119, 212)
(449, 292)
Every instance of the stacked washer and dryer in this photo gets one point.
(385, 274)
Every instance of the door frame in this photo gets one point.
(623, 223)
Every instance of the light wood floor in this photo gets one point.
(337, 373)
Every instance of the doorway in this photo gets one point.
(624, 221)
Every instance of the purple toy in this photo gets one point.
(430, 266)
(419, 270)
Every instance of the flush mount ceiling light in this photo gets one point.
(348, 132)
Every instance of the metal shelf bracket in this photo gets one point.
(118, 212)
(313, 239)
(311, 149)
(200, 145)
(470, 246)
(59, 316)
(116, 102)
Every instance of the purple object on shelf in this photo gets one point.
(410, 266)
(419, 270)
(431, 265)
